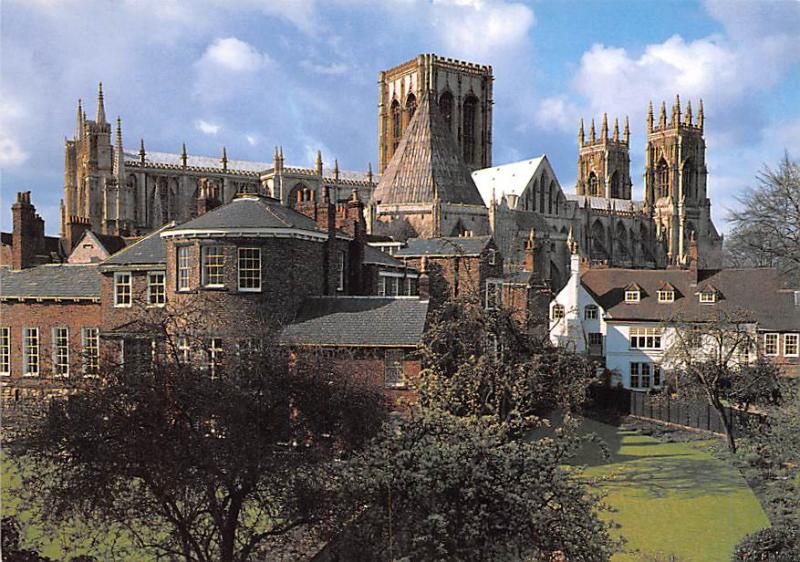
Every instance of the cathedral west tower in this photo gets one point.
(463, 92)
(675, 184)
(604, 163)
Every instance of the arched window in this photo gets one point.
(470, 114)
(598, 241)
(616, 186)
(396, 125)
(541, 193)
(553, 204)
(446, 108)
(594, 187)
(686, 179)
(621, 240)
(662, 179)
(411, 107)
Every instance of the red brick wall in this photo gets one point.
(16, 388)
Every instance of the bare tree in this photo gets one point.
(766, 230)
(716, 359)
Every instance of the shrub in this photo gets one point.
(776, 544)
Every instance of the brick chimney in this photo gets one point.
(27, 238)
(76, 227)
(530, 252)
(355, 225)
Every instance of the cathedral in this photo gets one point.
(435, 179)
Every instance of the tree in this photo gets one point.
(482, 362)
(766, 229)
(203, 468)
(443, 487)
(715, 360)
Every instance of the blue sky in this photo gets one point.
(251, 74)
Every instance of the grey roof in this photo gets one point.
(755, 290)
(358, 321)
(148, 250)
(606, 203)
(375, 256)
(51, 281)
(452, 246)
(427, 164)
(251, 211)
(193, 161)
(518, 277)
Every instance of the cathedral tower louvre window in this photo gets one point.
(594, 187)
(616, 188)
(662, 179)
(470, 114)
(446, 108)
(411, 107)
(686, 180)
(396, 124)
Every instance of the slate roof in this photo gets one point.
(358, 322)
(427, 164)
(450, 246)
(149, 250)
(603, 203)
(518, 277)
(757, 290)
(51, 281)
(377, 257)
(251, 211)
(174, 159)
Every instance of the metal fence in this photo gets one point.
(662, 408)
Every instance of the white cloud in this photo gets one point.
(334, 68)
(253, 139)
(234, 54)
(557, 112)
(11, 154)
(206, 127)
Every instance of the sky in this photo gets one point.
(252, 74)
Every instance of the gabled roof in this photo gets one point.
(358, 322)
(467, 246)
(149, 250)
(65, 281)
(427, 164)
(250, 211)
(509, 179)
(756, 290)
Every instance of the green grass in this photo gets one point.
(671, 498)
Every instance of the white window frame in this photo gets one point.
(151, 294)
(248, 270)
(218, 267)
(60, 350)
(340, 269)
(5, 351)
(412, 286)
(590, 312)
(796, 338)
(767, 337)
(214, 351)
(120, 284)
(393, 362)
(494, 287)
(183, 268)
(708, 297)
(644, 371)
(184, 348)
(90, 350)
(387, 279)
(492, 257)
(632, 297)
(645, 338)
(31, 350)
(666, 296)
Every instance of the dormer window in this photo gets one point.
(666, 295)
(708, 295)
(632, 296)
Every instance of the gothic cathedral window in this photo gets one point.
(446, 108)
(395, 125)
(411, 107)
(470, 111)
(662, 179)
(616, 189)
(594, 188)
(686, 180)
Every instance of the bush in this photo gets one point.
(776, 544)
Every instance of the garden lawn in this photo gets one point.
(671, 498)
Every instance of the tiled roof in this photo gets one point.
(148, 250)
(111, 243)
(51, 281)
(358, 321)
(455, 246)
(510, 179)
(757, 290)
(251, 211)
(427, 164)
(375, 256)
